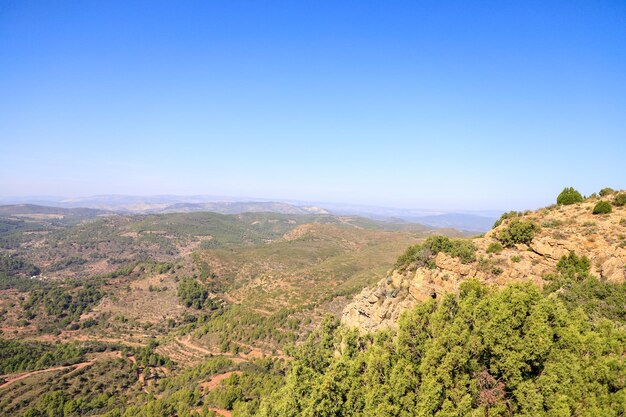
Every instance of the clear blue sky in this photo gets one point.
(432, 104)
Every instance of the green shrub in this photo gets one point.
(606, 191)
(518, 231)
(620, 199)
(423, 254)
(516, 259)
(603, 207)
(569, 196)
(513, 352)
(507, 215)
(572, 266)
(494, 247)
(193, 294)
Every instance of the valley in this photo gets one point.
(205, 314)
(186, 288)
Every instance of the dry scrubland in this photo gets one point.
(202, 314)
(107, 284)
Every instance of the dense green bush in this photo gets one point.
(574, 267)
(577, 287)
(13, 265)
(518, 231)
(569, 196)
(192, 293)
(423, 254)
(603, 207)
(606, 191)
(507, 215)
(19, 282)
(620, 200)
(509, 352)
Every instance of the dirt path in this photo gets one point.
(222, 412)
(186, 342)
(87, 338)
(213, 383)
(253, 352)
(11, 378)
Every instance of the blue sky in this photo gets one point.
(430, 104)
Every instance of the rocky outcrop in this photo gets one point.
(602, 238)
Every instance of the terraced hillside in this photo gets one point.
(163, 293)
(265, 279)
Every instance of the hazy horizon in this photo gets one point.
(446, 105)
(190, 198)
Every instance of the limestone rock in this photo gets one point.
(564, 228)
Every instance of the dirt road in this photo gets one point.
(11, 378)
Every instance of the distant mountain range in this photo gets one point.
(466, 221)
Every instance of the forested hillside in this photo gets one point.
(265, 315)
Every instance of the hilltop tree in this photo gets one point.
(569, 196)
(620, 200)
(518, 231)
(606, 191)
(603, 207)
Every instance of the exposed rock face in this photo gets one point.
(602, 238)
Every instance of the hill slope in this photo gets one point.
(560, 230)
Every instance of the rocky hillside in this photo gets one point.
(521, 247)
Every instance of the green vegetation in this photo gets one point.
(569, 196)
(494, 247)
(234, 327)
(575, 285)
(490, 352)
(255, 300)
(18, 282)
(65, 303)
(606, 191)
(505, 216)
(603, 207)
(193, 294)
(13, 265)
(147, 357)
(243, 393)
(518, 232)
(16, 356)
(620, 200)
(102, 388)
(423, 254)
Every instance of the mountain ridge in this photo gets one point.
(561, 230)
(471, 221)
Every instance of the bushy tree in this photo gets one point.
(620, 200)
(603, 207)
(423, 254)
(518, 231)
(192, 294)
(504, 216)
(508, 352)
(569, 196)
(606, 191)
